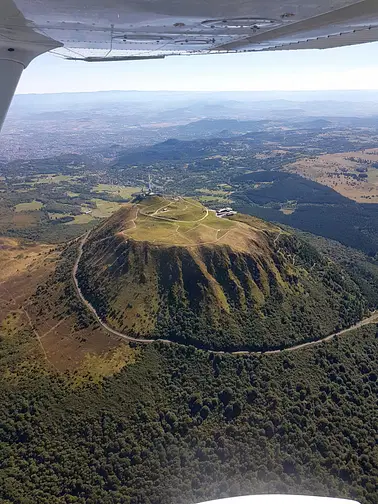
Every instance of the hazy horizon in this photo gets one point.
(344, 68)
(257, 91)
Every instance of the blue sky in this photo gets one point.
(342, 68)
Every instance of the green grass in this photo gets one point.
(214, 199)
(27, 207)
(104, 208)
(124, 192)
(80, 219)
(99, 366)
(152, 204)
(184, 222)
(213, 192)
(183, 210)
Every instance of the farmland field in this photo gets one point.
(25, 207)
(352, 174)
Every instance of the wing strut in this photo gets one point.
(19, 45)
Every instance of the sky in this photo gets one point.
(332, 69)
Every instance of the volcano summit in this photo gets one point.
(171, 269)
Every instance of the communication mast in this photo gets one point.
(150, 191)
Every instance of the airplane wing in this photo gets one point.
(280, 499)
(127, 30)
(104, 29)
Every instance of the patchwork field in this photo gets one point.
(214, 200)
(215, 192)
(221, 195)
(352, 174)
(53, 207)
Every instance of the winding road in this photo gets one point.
(92, 309)
(372, 319)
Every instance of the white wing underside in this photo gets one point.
(134, 29)
(280, 499)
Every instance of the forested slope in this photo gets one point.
(182, 425)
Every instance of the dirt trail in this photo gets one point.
(35, 332)
(155, 215)
(372, 319)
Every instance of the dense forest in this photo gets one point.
(353, 224)
(362, 269)
(276, 186)
(182, 425)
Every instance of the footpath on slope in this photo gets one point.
(373, 318)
